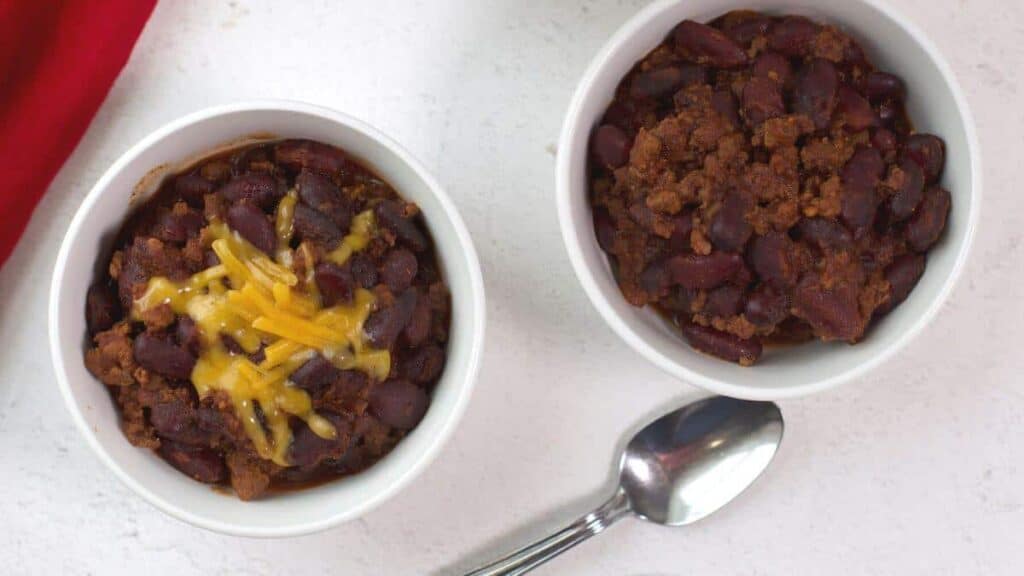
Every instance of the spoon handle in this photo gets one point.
(532, 555)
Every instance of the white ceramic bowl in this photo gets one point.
(102, 213)
(936, 105)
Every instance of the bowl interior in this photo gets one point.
(935, 104)
(100, 216)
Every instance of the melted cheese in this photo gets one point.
(261, 305)
(363, 225)
(283, 225)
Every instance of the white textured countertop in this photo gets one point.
(916, 469)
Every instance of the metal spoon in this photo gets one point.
(678, 469)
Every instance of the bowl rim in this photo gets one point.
(476, 307)
(573, 241)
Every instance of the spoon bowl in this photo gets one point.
(691, 462)
(676, 470)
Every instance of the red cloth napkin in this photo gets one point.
(58, 59)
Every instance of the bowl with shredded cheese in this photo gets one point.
(272, 351)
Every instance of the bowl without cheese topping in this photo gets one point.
(937, 105)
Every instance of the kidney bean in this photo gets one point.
(743, 275)
(723, 102)
(100, 313)
(202, 464)
(771, 256)
(855, 110)
(773, 66)
(859, 176)
(399, 269)
(724, 301)
(692, 74)
(882, 225)
(793, 36)
(729, 229)
(178, 228)
(621, 114)
(656, 83)
(252, 224)
(865, 165)
(679, 299)
(902, 275)
(700, 271)
(766, 306)
(315, 376)
(210, 259)
(704, 44)
(307, 449)
(884, 141)
(320, 193)
(383, 326)
(604, 228)
(423, 365)
(163, 357)
(880, 86)
(814, 94)
(398, 403)
(258, 188)
(186, 334)
(428, 273)
(176, 420)
(929, 151)
(611, 146)
(395, 216)
(232, 345)
(682, 226)
(357, 458)
(859, 205)
(364, 272)
(888, 112)
(909, 195)
(656, 280)
(744, 32)
(314, 226)
(334, 282)
(192, 187)
(253, 158)
(259, 355)
(832, 316)
(927, 224)
(211, 421)
(762, 99)
(722, 344)
(418, 329)
(299, 154)
(825, 234)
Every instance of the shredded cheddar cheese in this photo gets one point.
(284, 227)
(260, 302)
(357, 238)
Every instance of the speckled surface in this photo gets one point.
(916, 469)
